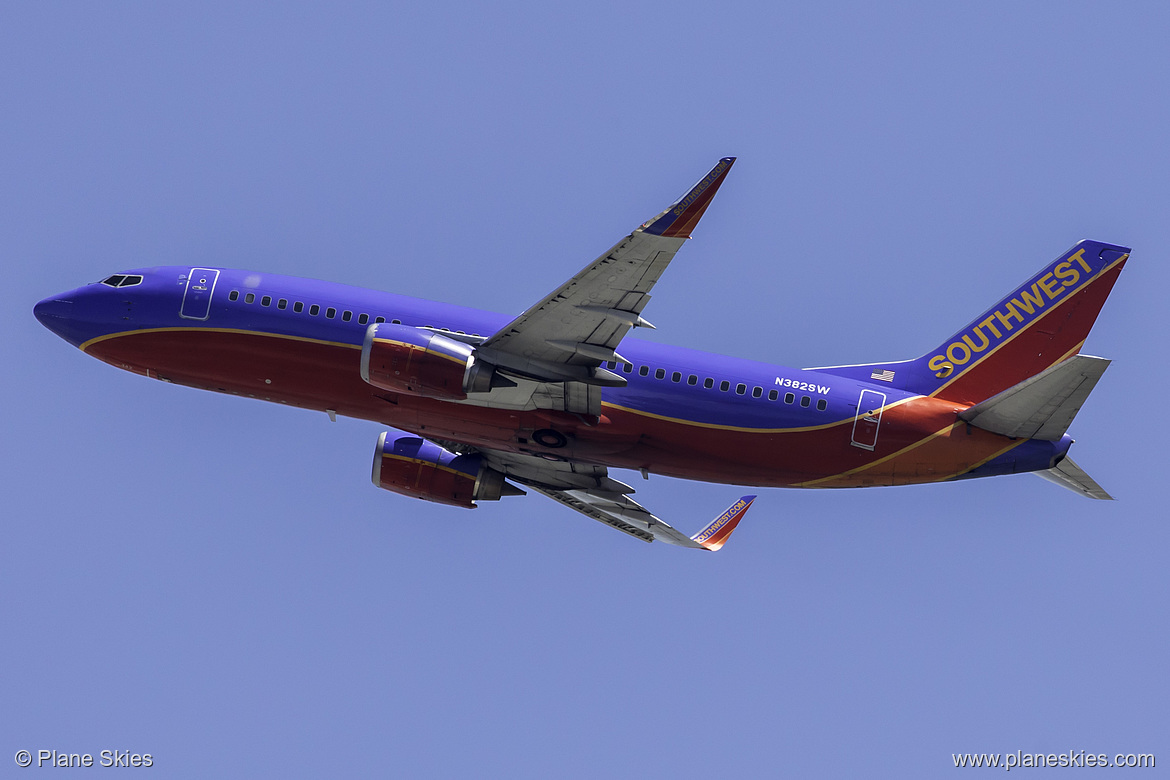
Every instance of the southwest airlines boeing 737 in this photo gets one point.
(484, 404)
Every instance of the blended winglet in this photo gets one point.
(680, 217)
(717, 533)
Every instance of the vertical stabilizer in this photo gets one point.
(1041, 323)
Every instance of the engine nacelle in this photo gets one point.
(413, 466)
(418, 362)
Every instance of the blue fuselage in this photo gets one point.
(683, 412)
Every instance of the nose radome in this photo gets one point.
(53, 312)
(78, 315)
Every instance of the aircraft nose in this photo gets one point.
(78, 315)
(53, 312)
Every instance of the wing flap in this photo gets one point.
(607, 511)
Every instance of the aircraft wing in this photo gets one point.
(590, 490)
(627, 515)
(578, 326)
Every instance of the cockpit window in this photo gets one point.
(122, 280)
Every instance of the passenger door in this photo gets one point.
(197, 295)
(868, 419)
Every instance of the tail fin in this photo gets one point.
(1041, 323)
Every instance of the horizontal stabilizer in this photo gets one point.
(1069, 475)
(1042, 406)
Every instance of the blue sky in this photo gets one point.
(214, 581)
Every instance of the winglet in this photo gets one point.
(716, 535)
(680, 217)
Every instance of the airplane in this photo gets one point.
(485, 405)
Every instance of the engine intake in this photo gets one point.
(413, 466)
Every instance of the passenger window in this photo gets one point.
(692, 380)
(740, 389)
(660, 373)
(611, 364)
(314, 310)
(331, 312)
(282, 303)
(250, 298)
(822, 404)
(346, 316)
(394, 322)
(379, 319)
(757, 392)
(298, 307)
(789, 398)
(805, 401)
(234, 296)
(643, 370)
(675, 377)
(708, 383)
(363, 319)
(627, 367)
(266, 300)
(773, 395)
(724, 385)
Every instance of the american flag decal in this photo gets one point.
(883, 375)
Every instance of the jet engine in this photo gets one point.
(418, 361)
(413, 466)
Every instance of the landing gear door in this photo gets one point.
(868, 419)
(197, 295)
